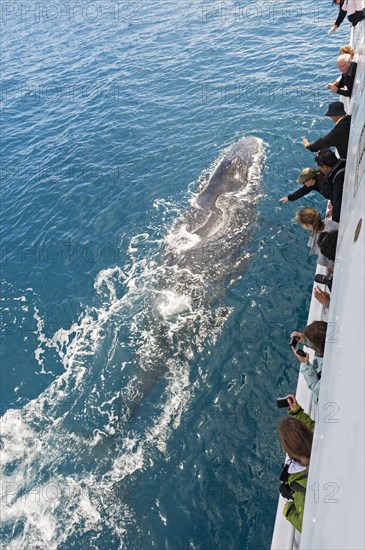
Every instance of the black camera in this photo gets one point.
(286, 491)
(294, 342)
(282, 402)
(324, 280)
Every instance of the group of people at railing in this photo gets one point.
(296, 428)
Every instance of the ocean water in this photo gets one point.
(138, 395)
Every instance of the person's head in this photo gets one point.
(344, 62)
(308, 177)
(310, 218)
(315, 335)
(348, 49)
(335, 111)
(296, 439)
(327, 242)
(326, 160)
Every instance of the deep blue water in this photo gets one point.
(111, 116)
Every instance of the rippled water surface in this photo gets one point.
(138, 391)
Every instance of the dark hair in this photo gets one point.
(310, 216)
(316, 334)
(296, 438)
(327, 242)
(326, 157)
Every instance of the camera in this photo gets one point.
(282, 402)
(294, 342)
(286, 491)
(324, 280)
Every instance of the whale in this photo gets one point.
(205, 251)
(134, 361)
(178, 306)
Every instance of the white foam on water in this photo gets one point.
(180, 239)
(109, 278)
(171, 303)
(179, 393)
(34, 449)
(131, 460)
(46, 514)
(34, 439)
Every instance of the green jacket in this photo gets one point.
(303, 416)
(294, 511)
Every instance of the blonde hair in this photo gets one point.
(310, 216)
(347, 49)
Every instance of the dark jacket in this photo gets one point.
(321, 186)
(341, 16)
(336, 179)
(354, 18)
(346, 82)
(338, 137)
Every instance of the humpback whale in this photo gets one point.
(136, 353)
(206, 245)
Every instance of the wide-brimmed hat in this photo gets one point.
(307, 174)
(335, 108)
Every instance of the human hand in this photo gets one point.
(323, 297)
(302, 359)
(305, 142)
(286, 492)
(334, 87)
(333, 28)
(292, 401)
(297, 335)
(284, 199)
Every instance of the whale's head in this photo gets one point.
(232, 171)
(227, 199)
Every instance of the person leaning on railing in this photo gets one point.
(312, 180)
(296, 436)
(339, 135)
(344, 84)
(314, 337)
(310, 220)
(354, 9)
(327, 242)
(334, 170)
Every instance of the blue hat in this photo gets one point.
(336, 108)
